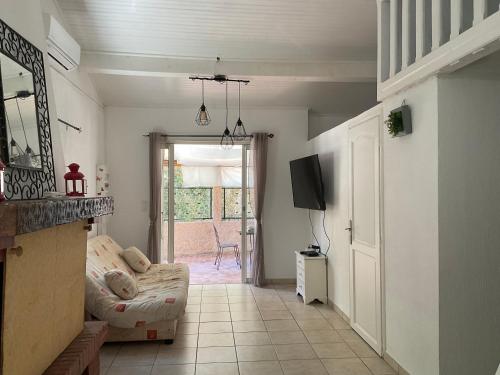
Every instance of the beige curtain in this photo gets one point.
(259, 155)
(154, 239)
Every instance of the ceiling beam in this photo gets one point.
(155, 66)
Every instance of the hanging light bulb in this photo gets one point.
(227, 141)
(202, 117)
(239, 132)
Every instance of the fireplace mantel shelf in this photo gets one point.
(20, 217)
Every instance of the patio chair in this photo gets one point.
(225, 245)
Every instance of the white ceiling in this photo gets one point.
(316, 54)
(297, 30)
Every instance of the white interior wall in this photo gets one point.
(469, 216)
(332, 148)
(410, 207)
(127, 157)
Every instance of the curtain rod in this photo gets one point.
(79, 130)
(271, 135)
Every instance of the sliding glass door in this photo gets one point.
(207, 218)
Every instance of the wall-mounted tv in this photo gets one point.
(307, 184)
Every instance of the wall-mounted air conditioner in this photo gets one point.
(63, 50)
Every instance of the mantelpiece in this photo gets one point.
(42, 283)
(20, 217)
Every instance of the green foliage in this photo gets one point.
(190, 203)
(232, 204)
(394, 123)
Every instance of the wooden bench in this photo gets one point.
(82, 355)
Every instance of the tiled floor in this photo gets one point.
(236, 329)
(203, 271)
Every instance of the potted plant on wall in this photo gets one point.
(399, 121)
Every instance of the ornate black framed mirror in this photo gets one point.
(25, 139)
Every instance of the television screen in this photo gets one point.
(307, 185)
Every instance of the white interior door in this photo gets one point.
(364, 205)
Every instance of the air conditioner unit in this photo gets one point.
(62, 49)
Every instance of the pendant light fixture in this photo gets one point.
(202, 117)
(239, 133)
(227, 141)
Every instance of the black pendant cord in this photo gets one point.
(227, 109)
(202, 93)
(239, 100)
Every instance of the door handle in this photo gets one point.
(349, 228)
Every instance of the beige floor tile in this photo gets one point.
(249, 326)
(239, 292)
(294, 351)
(362, 349)
(173, 369)
(303, 367)
(129, 370)
(215, 317)
(216, 327)
(252, 338)
(191, 317)
(215, 339)
(256, 353)
(306, 314)
(214, 307)
(217, 369)
(276, 314)
(216, 354)
(333, 350)
(193, 308)
(108, 353)
(281, 325)
(243, 306)
(188, 328)
(240, 299)
(311, 324)
(214, 293)
(322, 336)
(378, 366)
(260, 368)
(338, 323)
(345, 366)
(137, 354)
(176, 356)
(287, 337)
(350, 335)
(271, 306)
(195, 300)
(214, 287)
(238, 316)
(208, 300)
(183, 341)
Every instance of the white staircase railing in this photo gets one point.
(412, 35)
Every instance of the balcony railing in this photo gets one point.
(413, 34)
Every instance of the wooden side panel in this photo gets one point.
(44, 297)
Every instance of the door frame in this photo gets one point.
(375, 112)
(169, 145)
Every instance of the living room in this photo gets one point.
(389, 106)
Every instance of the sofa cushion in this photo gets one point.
(136, 259)
(121, 283)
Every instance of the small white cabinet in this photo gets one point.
(311, 277)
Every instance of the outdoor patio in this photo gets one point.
(203, 271)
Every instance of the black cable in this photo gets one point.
(312, 228)
(326, 234)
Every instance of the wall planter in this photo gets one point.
(399, 121)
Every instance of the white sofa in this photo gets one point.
(153, 313)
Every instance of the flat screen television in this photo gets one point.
(307, 184)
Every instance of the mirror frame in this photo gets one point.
(22, 182)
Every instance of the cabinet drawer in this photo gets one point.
(300, 274)
(300, 260)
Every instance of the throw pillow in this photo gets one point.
(121, 283)
(136, 259)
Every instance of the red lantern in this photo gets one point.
(75, 182)
(2, 188)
